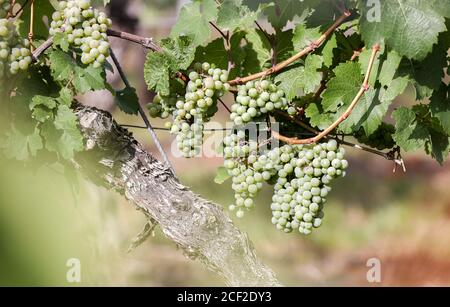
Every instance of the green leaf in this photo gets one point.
(89, 78)
(62, 135)
(363, 60)
(127, 100)
(222, 175)
(180, 52)
(305, 78)
(343, 87)
(440, 106)
(303, 36)
(284, 47)
(156, 73)
(20, 146)
(62, 65)
(410, 27)
(389, 68)
(284, 11)
(260, 45)
(65, 96)
(194, 21)
(234, 15)
(426, 75)
(409, 134)
(46, 101)
(328, 51)
(60, 39)
(417, 129)
(215, 53)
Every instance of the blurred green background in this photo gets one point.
(400, 218)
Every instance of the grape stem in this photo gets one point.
(311, 48)
(142, 114)
(364, 88)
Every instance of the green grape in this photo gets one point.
(197, 106)
(14, 51)
(85, 29)
(303, 175)
(256, 98)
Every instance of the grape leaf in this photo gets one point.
(156, 73)
(328, 50)
(409, 134)
(127, 100)
(20, 146)
(304, 36)
(46, 101)
(260, 45)
(215, 53)
(440, 106)
(194, 21)
(306, 78)
(222, 175)
(62, 135)
(234, 15)
(284, 47)
(410, 27)
(426, 75)
(180, 52)
(416, 129)
(284, 11)
(60, 39)
(89, 78)
(62, 65)
(343, 87)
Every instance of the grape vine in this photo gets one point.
(319, 85)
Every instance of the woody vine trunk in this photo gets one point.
(115, 160)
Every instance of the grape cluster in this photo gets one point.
(206, 84)
(380, 139)
(15, 54)
(240, 155)
(5, 7)
(85, 28)
(305, 173)
(256, 98)
(163, 106)
(302, 176)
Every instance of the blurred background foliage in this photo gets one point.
(400, 218)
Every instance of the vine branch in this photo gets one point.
(344, 116)
(313, 46)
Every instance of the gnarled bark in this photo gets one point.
(114, 159)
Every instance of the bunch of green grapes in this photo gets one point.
(304, 178)
(302, 174)
(255, 99)
(15, 54)
(5, 7)
(240, 156)
(206, 84)
(381, 139)
(163, 106)
(85, 28)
